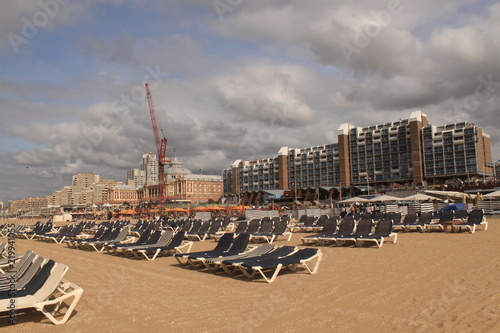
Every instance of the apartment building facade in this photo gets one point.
(30, 206)
(150, 168)
(409, 151)
(136, 177)
(87, 188)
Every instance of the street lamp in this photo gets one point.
(368, 183)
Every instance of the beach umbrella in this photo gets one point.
(420, 197)
(353, 200)
(199, 209)
(495, 194)
(385, 198)
(448, 194)
(214, 208)
(240, 207)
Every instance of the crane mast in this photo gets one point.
(161, 148)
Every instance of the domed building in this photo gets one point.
(175, 169)
(181, 185)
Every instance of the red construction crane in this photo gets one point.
(161, 148)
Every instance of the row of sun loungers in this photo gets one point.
(5, 230)
(40, 284)
(429, 221)
(150, 244)
(103, 237)
(231, 255)
(265, 229)
(426, 221)
(349, 231)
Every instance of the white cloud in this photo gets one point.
(271, 74)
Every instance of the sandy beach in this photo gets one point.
(426, 282)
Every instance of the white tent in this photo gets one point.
(449, 194)
(495, 194)
(385, 198)
(420, 197)
(353, 200)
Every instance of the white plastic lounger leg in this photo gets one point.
(245, 272)
(317, 258)
(76, 293)
(179, 260)
(156, 254)
(227, 270)
(394, 238)
(379, 244)
(273, 276)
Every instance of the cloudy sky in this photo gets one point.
(230, 79)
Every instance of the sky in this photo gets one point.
(230, 79)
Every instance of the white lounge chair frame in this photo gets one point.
(312, 269)
(393, 237)
(54, 291)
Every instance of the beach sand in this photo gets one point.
(426, 282)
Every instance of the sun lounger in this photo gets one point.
(46, 292)
(346, 228)
(215, 228)
(320, 223)
(202, 231)
(265, 229)
(364, 227)
(329, 229)
(19, 268)
(240, 228)
(20, 281)
(222, 246)
(214, 263)
(419, 224)
(383, 230)
(235, 261)
(174, 246)
(446, 216)
(75, 242)
(16, 230)
(273, 266)
(145, 236)
(29, 234)
(476, 217)
(195, 227)
(408, 219)
(163, 240)
(306, 226)
(69, 233)
(461, 214)
(239, 246)
(118, 236)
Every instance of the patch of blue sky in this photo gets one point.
(454, 20)
(11, 144)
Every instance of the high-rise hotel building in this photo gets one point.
(407, 151)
